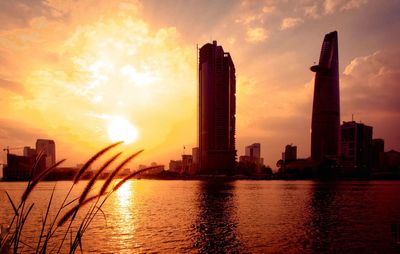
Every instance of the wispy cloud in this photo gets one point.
(254, 16)
(311, 11)
(369, 89)
(257, 34)
(18, 14)
(331, 6)
(369, 83)
(290, 22)
(14, 86)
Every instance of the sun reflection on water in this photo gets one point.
(124, 194)
(124, 223)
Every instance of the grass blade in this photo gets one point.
(74, 210)
(12, 203)
(36, 180)
(45, 219)
(70, 202)
(22, 223)
(120, 183)
(37, 160)
(104, 215)
(93, 159)
(80, 242)
(115, 172)
(94, 178)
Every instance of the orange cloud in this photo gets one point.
(257, 34)
(331, 6)
(369, 88)
(143, 76)
(290, 22)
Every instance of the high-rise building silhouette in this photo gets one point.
(253, 154)
(217, 108)
(356, 145)
(196, 160)
(19, 168)
(290, 153)
(49, 149)
(253, 150)
(378, 148)
(29, 152)
(325, 124)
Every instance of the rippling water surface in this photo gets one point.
(232, 217)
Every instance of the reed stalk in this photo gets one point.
(23, 209)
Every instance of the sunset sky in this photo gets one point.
(76, 71)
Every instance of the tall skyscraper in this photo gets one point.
(217, 109)
(49, 150)
(325, 123)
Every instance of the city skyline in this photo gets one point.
(61, 85)
(186, 126)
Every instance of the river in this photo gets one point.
(242, 216)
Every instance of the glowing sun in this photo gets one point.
(120, 129)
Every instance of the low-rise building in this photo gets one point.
(175, 166)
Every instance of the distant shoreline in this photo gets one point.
(234, 178)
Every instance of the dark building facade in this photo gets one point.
(290, 153)
(175, 166)
(48, 147)
(19, 168)
(378, 148)
(217, 109)
(390, 162)
(325, 123)
(253, 150)
(187, 164)
(29, 152)
(356, 145)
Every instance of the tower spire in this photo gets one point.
(325, 123)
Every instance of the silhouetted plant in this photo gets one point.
(11, 241)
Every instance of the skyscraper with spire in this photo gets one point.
(217, 109)
(325, 123)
